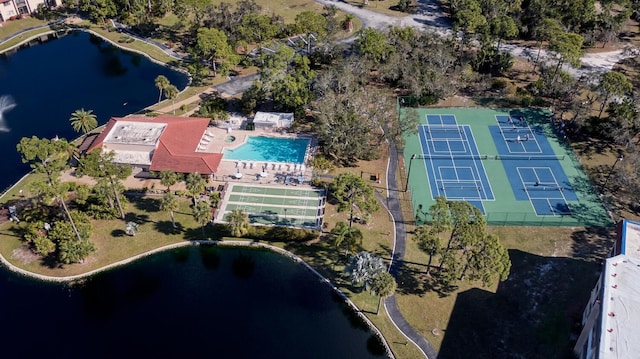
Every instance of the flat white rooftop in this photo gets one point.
(620, 329)
(132, 157)
(135, 133)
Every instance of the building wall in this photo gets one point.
(7, 10)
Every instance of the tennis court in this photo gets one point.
(275, 205)
(508, 163)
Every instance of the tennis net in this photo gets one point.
(544, 188)
(529, 157)
(459, 187)
(432, 128)
(454, 156)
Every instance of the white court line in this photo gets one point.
(475, 164)
(425, 146)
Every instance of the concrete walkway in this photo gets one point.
(390, 303)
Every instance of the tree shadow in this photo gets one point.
(166, 227)
(147, 204)
(533, 314)
(135, 217)
(410, 279)
(209, 256)
(592, 244)
(118, 233)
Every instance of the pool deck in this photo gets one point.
(251, 170)
(227, 169)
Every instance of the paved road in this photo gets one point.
(236, 85)
(390, 304)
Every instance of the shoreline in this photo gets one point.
(231, 244)
(243, 244)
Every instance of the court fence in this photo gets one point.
(454, 156)
(523, 219)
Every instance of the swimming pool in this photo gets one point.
(269, 149)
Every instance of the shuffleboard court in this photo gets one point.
(269, 205)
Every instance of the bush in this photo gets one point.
(283, 234)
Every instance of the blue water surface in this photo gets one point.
(269, 149)
(51, 80)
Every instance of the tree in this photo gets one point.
(131, 228)
(343, 233)
(568, 45)
(383, 285)
(428, 242)
(70, 249)
(172, 92)
(293, 91)
(311, 22)
(161, 83)
(83, 121)
(195, 185)
(612, 83)
(98, 10)
(373, 45)
(212, 44)
(352, 193)
(168, 178)
(504, 27)
(469, 251)
(48, 157)
(545, 31)
(487, 259)
(238, 223)
(202, 214)
(363, 267)
(169, 204)
(100, 165)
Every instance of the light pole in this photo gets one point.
(285, 214)
(604, 185)
(406, 186)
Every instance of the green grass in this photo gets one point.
(23, 37)
(152, 51)
(11, 27)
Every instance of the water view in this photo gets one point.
(192, 302)
(48, 81)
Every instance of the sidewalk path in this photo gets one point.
(390, 303)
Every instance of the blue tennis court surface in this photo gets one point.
(454, 166)
(534, 171)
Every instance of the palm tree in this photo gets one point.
(83, 121)
(351, 236)
(171, 92)
(384, 285)
(195, 184)
(169, 178)
(131, 228)
(237, 223)
(169, 204)
(202, 214)
(161, 83)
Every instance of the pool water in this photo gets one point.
(269, 149)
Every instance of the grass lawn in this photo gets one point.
(11, 27)
(23, 37)
(381, 6)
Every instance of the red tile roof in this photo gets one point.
(177, 146)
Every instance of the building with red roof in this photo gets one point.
(171, 143)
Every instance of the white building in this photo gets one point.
(611, 320)
(272, 120)
(10, 8)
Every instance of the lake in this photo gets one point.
(190, 302)
(49, 81)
